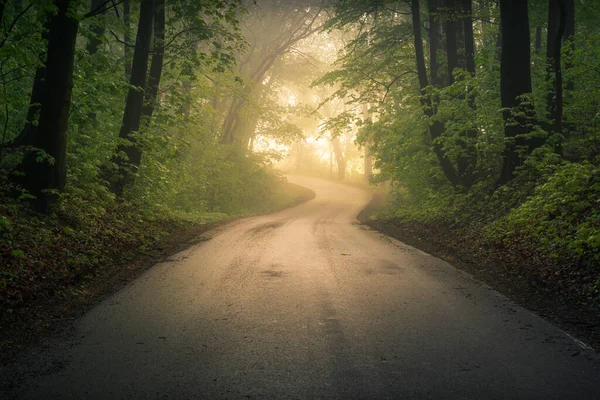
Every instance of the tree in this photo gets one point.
(129, 154)
(515, 81)
(156, 65)
(436, 130)
(44, 164)
(291, 23)
(98, 27)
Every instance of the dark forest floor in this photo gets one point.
(515, 275)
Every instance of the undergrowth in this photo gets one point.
(546, 224)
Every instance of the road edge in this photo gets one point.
(553, 313)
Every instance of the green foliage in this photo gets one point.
(186, 175)
(549, 211)
(562, 216)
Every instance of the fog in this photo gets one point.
(303, 125)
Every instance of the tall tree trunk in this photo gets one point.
(551, 48)
(231, 120)
(367, 146)
(339, 158)
(55, 104)
(419, 55)
(451, 26)
(467, 18)
(97, 28)
(135, 99)
(558, 80)
(515, 79)
(127, 36)
(498, 53)
(299, 156)
(437, 129)
(97, 31)
(570, 35)
(187, 90)
(156, 64)
(467, 161)
(30, 132)
(433, 35)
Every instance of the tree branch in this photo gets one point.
(102, 8)
(14, 22)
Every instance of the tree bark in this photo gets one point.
(49, 174)
(127, 36)
(367, 146)
(551, 48)
(437, 129)
(451, 26)
(156, 64)
(339, 158)
(570, 35)
(187, 90)
(467, 161)
(97, 29)
(467, 18)
(30, 132)
(433, 35)
(515, 79)
(135, 99)
(558, 80)
(300, 27)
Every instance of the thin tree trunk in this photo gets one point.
(420, 57)
(570, 35)
(156, 64)
(467, 10)
(515, 79)
(467, 161)
(127, 36)
(187, 90)
(433, 35)
(339, 158)
(451, 26)
(551, 45)
(558, 80)
(55, 105)
(97, 31)
(97, 28)
(498, 53)
(299, 156)
(437, 129)
(135, 99)
(367, 146)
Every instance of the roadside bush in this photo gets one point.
(562, 216)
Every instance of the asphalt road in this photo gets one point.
(306, 304)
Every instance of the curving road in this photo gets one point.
(306, 304)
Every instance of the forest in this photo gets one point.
(127, 121)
